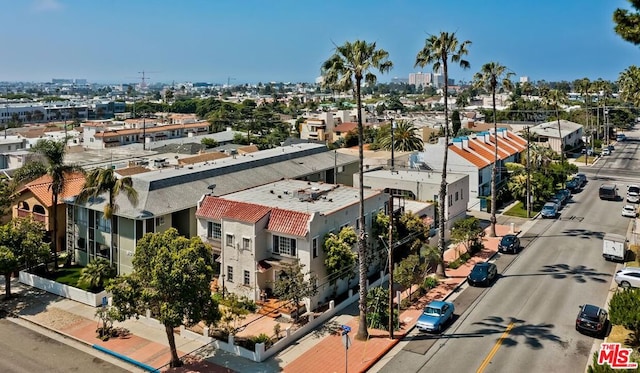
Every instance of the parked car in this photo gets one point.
(629, 211)
(582, 178)
(611, 148)
(606, 151)
(592, 320)
(621, 137)
(483, 273)
(566, 193)
(633, 193)
(628, 277)
(510, 243)
(435, 316)
(557, 199)
(574, 185)
(549, 210)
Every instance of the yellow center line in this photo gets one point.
(495, 349)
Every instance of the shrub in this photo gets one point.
(430, 283)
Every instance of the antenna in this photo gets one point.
(229, 79)
(144, 78)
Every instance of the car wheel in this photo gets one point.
(625, 285)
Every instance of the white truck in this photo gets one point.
(614, 247)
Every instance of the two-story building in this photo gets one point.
(257, 231)
(569, 134)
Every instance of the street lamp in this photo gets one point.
(393, 143)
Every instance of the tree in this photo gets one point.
(292, 286)
(378, 304)
(209, 142)
(409, 272)
(171, 277)
(54, 153)
(97, 273)
(340, 258)
(104, 180)
(456, 123)
(8, 264)
(345, 70)
(623, 310)
(405, 138)
(555, 98)
(628, 23)
(629, 82)
(234, 309)
(7, 189)
(438, 51)
(491, 76)
(466, 232)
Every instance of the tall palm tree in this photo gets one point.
(491, 76)
(54, 152)
(345, 70)
(405, 138)
(438, 50)
(629, 83)
(104, 180)
(555, 98)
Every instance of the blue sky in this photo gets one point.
(254, 41)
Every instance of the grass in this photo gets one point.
(636, 256)
(520, 210)
(68, 276)
(580, 159)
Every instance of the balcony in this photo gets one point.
(42, 218)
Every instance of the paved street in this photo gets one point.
(531, 309)
(25, 351)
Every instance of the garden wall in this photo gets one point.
(79, 295)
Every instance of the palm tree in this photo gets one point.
(345, 70)
(54, 153)
(491, 76)
(437, 51)
(405, 138)
(105, 180)
(555, 98)
(629, 83)
(96, 273)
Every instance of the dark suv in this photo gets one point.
(592, 320)
(510, 243)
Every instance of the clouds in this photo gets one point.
(46, 5)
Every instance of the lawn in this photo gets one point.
(520, 210)
(68, 276)
(580, 159)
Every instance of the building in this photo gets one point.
(131, 131)
(168, 197)
(569, 134)
(9, 145)
(321, 126)
(420, 79)
(257, 231)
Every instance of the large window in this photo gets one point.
(103, 225)
(314, 247)
(82, 215)
(214, 230)
(230, 273)
(246, 243)
(284, 245)
(229, 241)
(246, 278)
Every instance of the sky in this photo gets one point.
(251, 41)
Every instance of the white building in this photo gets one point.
(570, 134)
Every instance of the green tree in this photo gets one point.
(104, 180)
(466, 231)
(405, 137)
(623, 310)
(234, 309)
(340, 258)
(629, 82)
(8, 264)
(7, 189)
(171, 277)
(628, 23)
(493, 75)
(209, 142)
(292, 286)
(555, 98)
(410, 271)
(456, 123)
(345, 70)
(97, 273)
(438, 51)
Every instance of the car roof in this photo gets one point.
(437, 304)
(549, 204)
(630, 269)
(590, 310)
(509, 237)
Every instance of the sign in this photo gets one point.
(104, 301)
(346, 341)
(345, 329)
(616, 356)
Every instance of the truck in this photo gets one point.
(614, 247)
(609, 192)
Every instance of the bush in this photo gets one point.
(460, 261)
(430, 283)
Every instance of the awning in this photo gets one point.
(263, 266)
(266, 264)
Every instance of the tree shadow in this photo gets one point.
(533, 335)
(579, 273)
(582, 233)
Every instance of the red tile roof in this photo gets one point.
(345, 127)
(470, 156)
(293, 223)
(41, 188)
(481, 154)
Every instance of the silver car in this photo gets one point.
(628, 277)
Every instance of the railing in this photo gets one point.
(42, 218)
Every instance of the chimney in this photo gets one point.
(501, 132)
(471, 123)
(465, 143)
(457, 142)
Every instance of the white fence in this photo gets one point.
(79, 295)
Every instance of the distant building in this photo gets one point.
(420, 79)
(524, 79)
(548, 132)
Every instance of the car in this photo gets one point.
(628, 277)
(633, 193)
(606, 151)
(435, 316)
(566, 193)
(582, 178)
(558, 200)
(510, 243)
(621, 137)
(592, 320)
(483, 273)
(611, 148)
(574, 185)
(549, 210)
(629, 211)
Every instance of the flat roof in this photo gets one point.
(430, 177)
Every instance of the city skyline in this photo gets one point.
(286, 41)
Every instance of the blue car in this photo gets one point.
(549, 210)
(434, 316)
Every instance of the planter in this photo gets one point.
(79, 295)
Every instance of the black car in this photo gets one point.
(574, 185)
(510, 243)
(482, 274)
(582, 178)
(592, 320)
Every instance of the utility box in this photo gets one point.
(614, 247)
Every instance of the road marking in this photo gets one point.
(495, 349)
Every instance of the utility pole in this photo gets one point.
(391, 262)
(528, 176)
(393, 145)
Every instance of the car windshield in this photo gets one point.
(507, 240)
(548, 207)
(432, 311)
(634, 189)
(590, 313)
(479, 269)
(629, 208)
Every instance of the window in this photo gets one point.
(314, 247)
(214, 230)
(456, 196)
(104, 225)
(159, 221)
(82, 215)
(246, 278)
(461, 194)
(284, 245)
(230, 273)
(246, 243)
(229, 241)
(450, 200)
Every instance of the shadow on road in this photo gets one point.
(522, 332)
(579, 273)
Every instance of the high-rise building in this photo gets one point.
(524, 79)
(420, 79)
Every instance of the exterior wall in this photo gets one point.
(126, 244)
(237, 259)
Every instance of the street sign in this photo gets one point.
(346, 341)
(346, 329)
(104, 301)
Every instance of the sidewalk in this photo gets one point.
(320, 351)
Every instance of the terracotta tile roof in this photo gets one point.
(484, 150)
(131, 170)
(215, 208)
(248, 149)
(41, 188)
(470, 156)
(169, 127)
(202, 158)
(288, 222)
(518, 140)
(345, 127)
(502, 152)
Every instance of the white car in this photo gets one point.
(606, 151)
(628, 277)
(629, 211)
(633, 194)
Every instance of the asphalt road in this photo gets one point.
(525, 321)
(25, 351)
